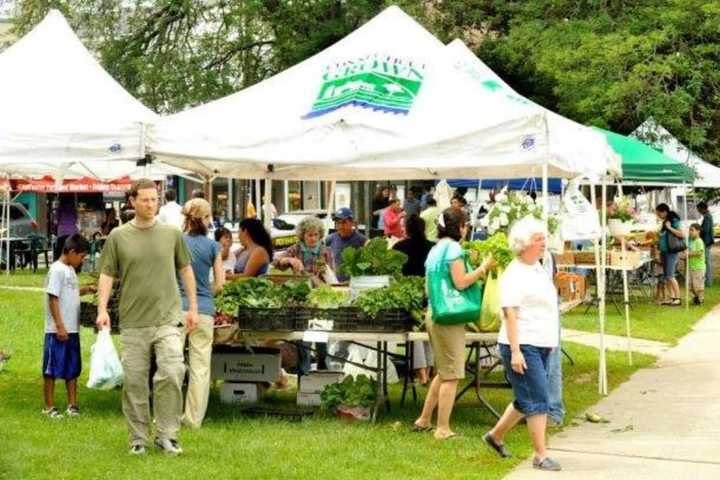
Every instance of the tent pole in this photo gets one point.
(258, 200)
(602, 380)
(267, 205)
(6, 223)
(330, 203)
(626, 298)
(687, 257)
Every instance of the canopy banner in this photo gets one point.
(82, 185)
(379, 82)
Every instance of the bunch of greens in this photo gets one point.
(375, 258)
(407, 293)
(351, 392)
(325, 296)
(252, 292)
(497, 246)
(293, 293)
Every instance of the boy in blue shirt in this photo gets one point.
(61, 354)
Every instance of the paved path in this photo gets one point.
(665, 421)
(614, 342)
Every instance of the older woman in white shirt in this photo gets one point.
(529, 332)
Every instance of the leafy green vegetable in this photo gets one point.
(351, 392)
(375, 258)
(407, 293)
(260, 293)
(325, 296)
(497, 246)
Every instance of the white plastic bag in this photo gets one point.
(580, 219)
(106, 370)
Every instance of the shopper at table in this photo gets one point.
(696, 264)
(146, 255)
(110, 222)
(380, 202)
(67, 223)
(345, 236)
(254, 258)
(224, 239)
(430, 216)
(171, 212)
(529, 331)
(448, 341)
(670, 226)
(415, 246)
(707, 233)
(309, 254)
(205, 257)
(393, 220)
(411, 205)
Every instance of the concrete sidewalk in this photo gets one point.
(614, 342)
(665, 421)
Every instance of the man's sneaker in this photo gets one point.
(52, 412)
(171, 447)
(137, 450)
(72, 411)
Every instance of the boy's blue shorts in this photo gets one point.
(62, 359)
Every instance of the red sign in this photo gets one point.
(48, 184)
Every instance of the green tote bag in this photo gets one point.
(449, 305)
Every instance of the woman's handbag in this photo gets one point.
(450, 306)
(675, 244)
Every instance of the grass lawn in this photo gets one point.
(647, 320)
(231, 445)
(25, 278)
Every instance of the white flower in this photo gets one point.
(504, 208)
(484, 221)
(501, 197)
(504, 220)
(494, 226)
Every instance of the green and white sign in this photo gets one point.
(379, 82)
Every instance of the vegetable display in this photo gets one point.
(260, 293)
(375, 258)
(497, 246)
(407, 293)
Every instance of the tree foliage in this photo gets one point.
(609, 63)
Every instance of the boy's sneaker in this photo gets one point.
(170, 447)
(52, 412)
(137, 450)
(72, 411)
(696, 301)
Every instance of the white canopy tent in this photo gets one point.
(59, 105)
(654, 134)
(385, 102)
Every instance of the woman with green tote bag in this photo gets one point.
(447, 331)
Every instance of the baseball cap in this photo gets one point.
(343, 214)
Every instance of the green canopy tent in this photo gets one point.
(643, 164)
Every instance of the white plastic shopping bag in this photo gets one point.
(106, 370)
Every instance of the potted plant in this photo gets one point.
(352, 399)
(620, 218)
(371, 266)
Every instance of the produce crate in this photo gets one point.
(356, 320)
(266, 319)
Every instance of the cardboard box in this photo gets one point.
(627, 259)
(565, 258)
(308, 399)
(236, 392)
(570, 286)
(244, 365)
(315, 382)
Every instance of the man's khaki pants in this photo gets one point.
(200, 352)
(137, 346)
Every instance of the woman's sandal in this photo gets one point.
(450, 436)
(421, 429)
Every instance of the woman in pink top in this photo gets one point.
(392, 219)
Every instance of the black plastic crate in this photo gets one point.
(266, 319)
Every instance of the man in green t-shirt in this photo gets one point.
(696, 264)
(144, 255)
